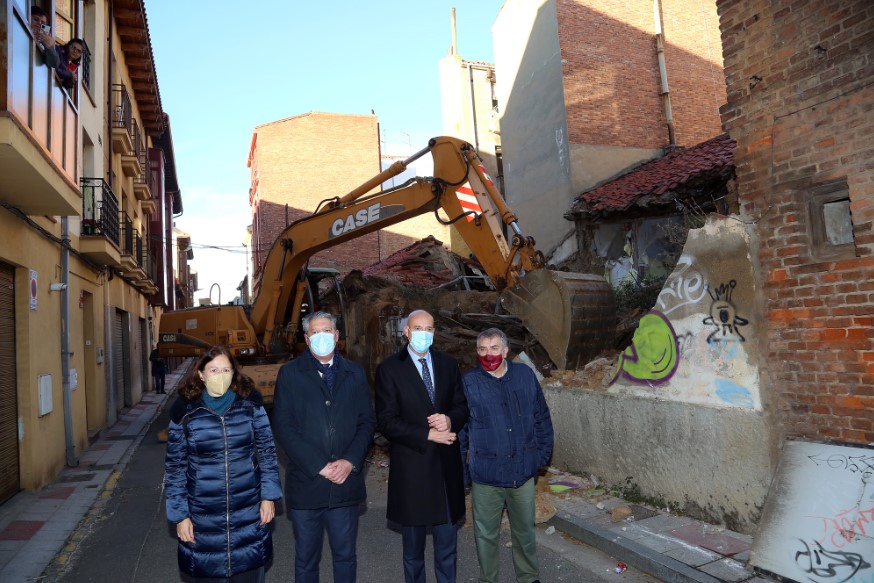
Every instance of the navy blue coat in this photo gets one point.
(315, 427)
(218, 470)
(508, 436)
(423, 475)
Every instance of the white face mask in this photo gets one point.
(218, 384)
(322, 344)
(421, 340)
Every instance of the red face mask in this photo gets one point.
(490, 362)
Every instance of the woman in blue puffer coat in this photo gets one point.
(222, 477)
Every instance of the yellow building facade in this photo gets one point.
(84, 177)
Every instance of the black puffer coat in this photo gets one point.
(218, 470)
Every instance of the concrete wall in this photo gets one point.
(534, 136)
(686, 399)
(708, 462)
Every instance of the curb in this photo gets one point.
(635, 554)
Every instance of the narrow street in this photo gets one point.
(126, 537)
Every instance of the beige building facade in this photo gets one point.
(79, 303)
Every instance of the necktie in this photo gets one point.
(328, 374)
(426, 377)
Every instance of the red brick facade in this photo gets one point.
(611, 77)
(298, 162)
(800, 82)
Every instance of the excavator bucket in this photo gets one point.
(572, 315)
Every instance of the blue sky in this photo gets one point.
(222, 70)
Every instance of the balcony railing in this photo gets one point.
(127, 235)
(122, 114)
(122, 121)
(85, 68)
(99, 210)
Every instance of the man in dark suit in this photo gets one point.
(323, 419)
(420, 406)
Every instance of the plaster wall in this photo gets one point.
(42, 451)
(536, 151)
(684, 415)
(593, 165)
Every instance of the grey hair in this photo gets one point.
(493, 333)
(316, 315)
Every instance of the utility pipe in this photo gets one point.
(473, 107)
(65, 342)
(663, 72)
(454, 49)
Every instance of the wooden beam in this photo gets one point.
(133, 32)
(127, 14)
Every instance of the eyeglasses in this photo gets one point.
(76, 48)
(424, 329)
(215, 371)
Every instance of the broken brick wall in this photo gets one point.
(800, 87)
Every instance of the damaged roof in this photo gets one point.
(656, 183)
(425, 264)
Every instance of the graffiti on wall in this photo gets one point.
(723, 314)
(653, 356)
(685, 287)
(820, 510)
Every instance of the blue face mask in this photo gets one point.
(322, 344)
(421, 340)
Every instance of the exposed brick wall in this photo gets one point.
(611, 75)
(306, 159)
(800, 81)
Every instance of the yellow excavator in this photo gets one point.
(572, 315)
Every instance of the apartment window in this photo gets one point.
(831, 222)
(65, 20)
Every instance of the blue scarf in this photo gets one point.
(219, 404)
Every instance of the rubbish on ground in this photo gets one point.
(621, 567)
(562, 485)
(550, 530)
(599, 506)
(620, 513)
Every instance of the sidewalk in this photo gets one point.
(39, 531)
(667, 546)
(41, 528)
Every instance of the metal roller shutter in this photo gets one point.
(9, 472)
(118, 359)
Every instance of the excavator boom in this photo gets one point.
(571, 315)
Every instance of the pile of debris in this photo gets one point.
(430, 277)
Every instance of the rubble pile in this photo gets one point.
(426, 275)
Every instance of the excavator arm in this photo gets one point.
(568, 313)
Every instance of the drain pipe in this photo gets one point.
(473, 107)
(65, 342)
(663, 72)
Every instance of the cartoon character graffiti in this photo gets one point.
(723, 315)
(654, 355)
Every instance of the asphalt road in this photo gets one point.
(127, 537)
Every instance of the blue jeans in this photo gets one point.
(309, 531)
